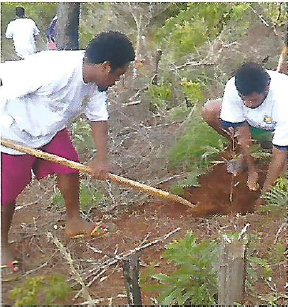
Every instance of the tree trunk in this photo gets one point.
(67, 36)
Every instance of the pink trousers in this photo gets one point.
(16, 169)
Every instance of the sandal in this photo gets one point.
(10, 271)
(98, 230)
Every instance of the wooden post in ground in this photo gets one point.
(130, 267)
(232, 270)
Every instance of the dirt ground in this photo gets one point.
(136, 226)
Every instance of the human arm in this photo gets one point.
(276, 167)
(279, 152)
(9, 32)
(97, 114)
(99, 165)
(35, 29)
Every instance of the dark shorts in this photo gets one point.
(16, 169)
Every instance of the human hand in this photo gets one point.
(252, 181)
(100, 169)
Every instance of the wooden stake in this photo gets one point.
(232, 270)
(130, 267)
(282, 66)
(85, 169)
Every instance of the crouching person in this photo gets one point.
(254, 106)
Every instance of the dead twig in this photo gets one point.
(102, 268)
(77, 276)
(283, 226)
(193, 64)
(38, 268)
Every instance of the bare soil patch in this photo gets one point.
(139, 224)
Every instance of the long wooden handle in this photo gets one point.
(83, 168)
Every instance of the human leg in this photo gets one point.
(15, 175)
(211, 115)
(67, 180)
(69, 188)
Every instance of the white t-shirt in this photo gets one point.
(271, 115)
(23, 30)
(42, 94)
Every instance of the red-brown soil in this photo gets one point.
(214, 213)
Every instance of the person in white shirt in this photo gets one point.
(254, 103)
(23, 32)
(40, 96)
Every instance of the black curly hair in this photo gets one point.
(110, 46)
(20, 11)
(250, 78)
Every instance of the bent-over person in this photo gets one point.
(40, 96)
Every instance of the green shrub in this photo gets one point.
(82, 137)
(89, 197)
(194, 280)
(201, 144)
(178, 113)
(193, 90)
(41, 289)
(276, 199)
(192, 179)
(159, 95)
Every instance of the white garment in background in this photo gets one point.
(42, 94)
(271, 115)
(23, 30)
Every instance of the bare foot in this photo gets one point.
(252, 181)
(77, 226)
(7, 254)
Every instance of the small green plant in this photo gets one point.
(259, 269)
(90, 196)
(191, 180)
(200, 143)
(159, 95)
(276, 199)
(195, 153)
(178, 113)
(194, 280)
(82, 137)
(193, 90)
(260, 263)
(277, 254)
(41, 289)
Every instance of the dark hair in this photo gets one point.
(250, 78)
(20, 11)
(110, 46)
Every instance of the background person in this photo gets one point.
(51, 32)
(23, 32)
